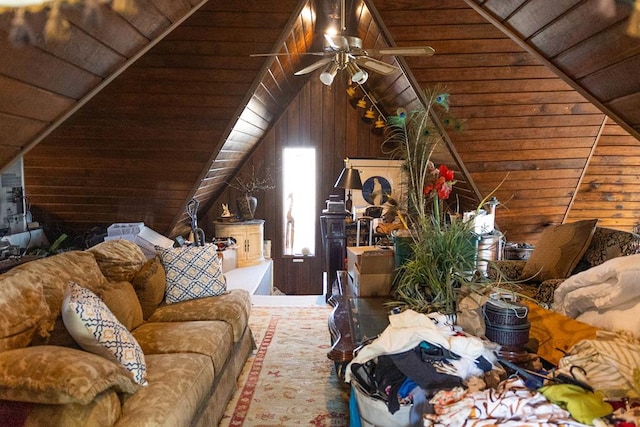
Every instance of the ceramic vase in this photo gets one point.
(247, 206)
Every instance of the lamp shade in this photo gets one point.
(349, 178)
(329, 73)
(358, 75)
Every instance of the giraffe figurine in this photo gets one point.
(290, 228)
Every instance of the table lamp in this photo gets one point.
(349, 179)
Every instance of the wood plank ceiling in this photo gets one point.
(532, 79)
(129, 120)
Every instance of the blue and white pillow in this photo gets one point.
(192, 272)
(97, 330)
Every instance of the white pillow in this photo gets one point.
(96, 329)
(192, 272)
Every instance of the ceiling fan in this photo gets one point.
(342, 52)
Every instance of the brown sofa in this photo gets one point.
(194, 350)
(602, 244)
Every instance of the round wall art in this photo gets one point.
(375, 190)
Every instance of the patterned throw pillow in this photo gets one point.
(192, 272)
(96, 329)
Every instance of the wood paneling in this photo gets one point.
(523, 122)
(317, 117)
(144, 144)
(130, 119)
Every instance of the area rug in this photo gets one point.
(288, 380)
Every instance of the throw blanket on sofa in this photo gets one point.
(606, 296)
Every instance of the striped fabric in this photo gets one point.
(612, 363)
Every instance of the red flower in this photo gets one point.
(446, 173)
(444, 190)
(442, 184)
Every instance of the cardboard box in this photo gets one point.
(353, 256)
(371, 269)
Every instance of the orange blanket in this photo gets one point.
(555, 332)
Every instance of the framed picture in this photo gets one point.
(380, 178)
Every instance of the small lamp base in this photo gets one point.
(348, 204)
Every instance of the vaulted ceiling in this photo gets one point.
(130, 119)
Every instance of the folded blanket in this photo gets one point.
(605, 296)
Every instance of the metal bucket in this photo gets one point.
(489, 249)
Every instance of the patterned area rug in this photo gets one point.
(288, 380)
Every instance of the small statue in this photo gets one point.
(225, 211)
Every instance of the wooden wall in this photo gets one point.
(522, 120)
(139, 149)
(319, 117)
(610, 187)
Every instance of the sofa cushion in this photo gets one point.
(607, 244)
(211, 338)
(97, 330)
(122, 301)
(150, 283)
(22, 308)
(233, 307)
(118, 259)
(179, 384)
(192, 272)
(558, 251)
(51, 374)
(55, 272)
(103, 410)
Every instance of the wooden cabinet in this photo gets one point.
(249, 236)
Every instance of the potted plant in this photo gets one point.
(248, 184)
(443, 249)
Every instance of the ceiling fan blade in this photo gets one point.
(337, 42)
(288, 54)
(314, 66)
(403, 51)
(375, 65)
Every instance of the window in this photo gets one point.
(299, 201)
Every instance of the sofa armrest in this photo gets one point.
(505, 269)
(546, 290)
(59, 375)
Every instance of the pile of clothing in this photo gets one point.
(444, 376)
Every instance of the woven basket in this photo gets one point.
(509, 335)
(506, 323)
(505, 313)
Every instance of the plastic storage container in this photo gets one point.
(374, 412)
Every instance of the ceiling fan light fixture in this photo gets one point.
(358, 75)
(329, 73)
